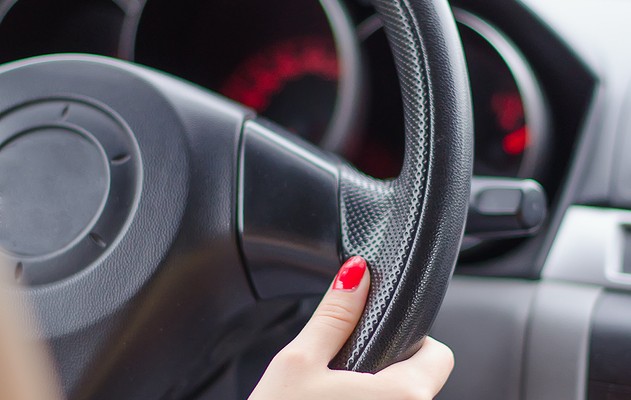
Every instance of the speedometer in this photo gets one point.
(274, 81)
(510, 114)
(511, 124)
(316, 72)
(298, 67)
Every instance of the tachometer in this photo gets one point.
(292, 82)
(510, 118)
(299, 67)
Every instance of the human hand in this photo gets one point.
(300, 371)
(26, 371)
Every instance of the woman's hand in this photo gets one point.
(300, 371)
(26, 371)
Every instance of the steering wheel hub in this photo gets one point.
(67, 164)
(49, 205)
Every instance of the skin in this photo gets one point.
(298, 372)
(25, 367)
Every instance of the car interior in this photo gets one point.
(179, 182)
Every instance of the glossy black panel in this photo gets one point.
(290, 227)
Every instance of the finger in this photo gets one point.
(428, 368)
(338, 312)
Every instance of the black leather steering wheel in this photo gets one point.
(153, 222)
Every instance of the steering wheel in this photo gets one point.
(153, 222)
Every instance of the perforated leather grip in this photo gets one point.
(409, 229)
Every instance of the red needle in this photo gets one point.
(516, 142)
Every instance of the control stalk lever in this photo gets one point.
(501, 208)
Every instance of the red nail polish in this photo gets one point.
(350, 274)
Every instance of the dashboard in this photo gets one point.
(316, 71)
(321, 69)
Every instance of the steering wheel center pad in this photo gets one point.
(166, 251)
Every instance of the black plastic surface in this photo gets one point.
(45, 209)
(70, 180)
(610, 348)
(171, 283)
(290, 223)
(503, 207)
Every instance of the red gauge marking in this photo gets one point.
(262, 76)
(509, 114)
(516, 142)
(508, 109)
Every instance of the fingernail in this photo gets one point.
(350, 275)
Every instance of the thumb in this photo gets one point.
(338, 312)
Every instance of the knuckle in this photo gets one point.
(407, 387)
(335, 313)
(416, 393)
(292, 358)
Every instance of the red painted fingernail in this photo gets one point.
(351, 274)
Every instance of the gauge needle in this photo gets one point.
(516, 142)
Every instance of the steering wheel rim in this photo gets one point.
(411, 266)
(310, 210)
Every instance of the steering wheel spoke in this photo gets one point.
(288, 212)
